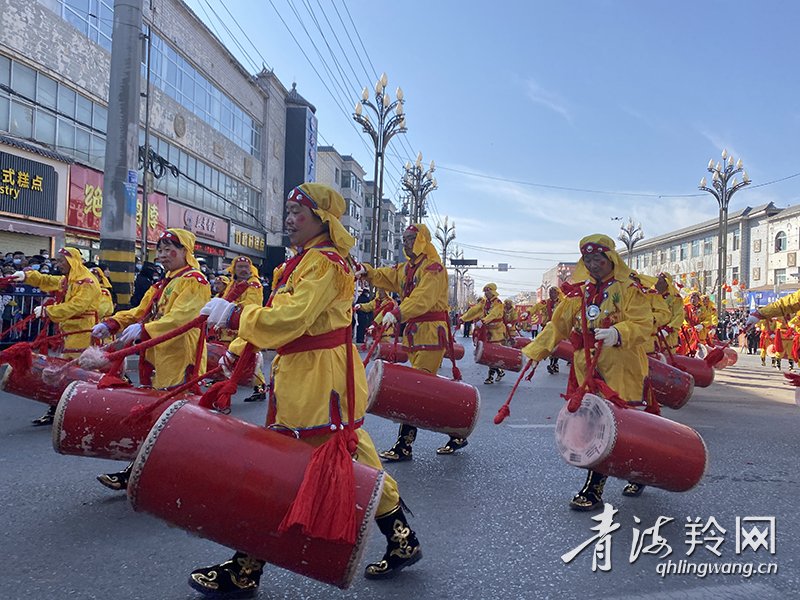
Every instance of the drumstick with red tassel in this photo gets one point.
(505, 410)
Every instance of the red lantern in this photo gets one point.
(735, 282)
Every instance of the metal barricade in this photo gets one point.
(17, 302)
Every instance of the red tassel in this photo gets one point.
(456, 373)
(19, 357)
(324, 507)
(502, 414)
(218, 396)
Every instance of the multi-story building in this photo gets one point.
(554, 277)
(346, 176)
(217, 132)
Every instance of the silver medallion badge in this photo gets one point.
(592, 311)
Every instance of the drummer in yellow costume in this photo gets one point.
(544, 311)
(167, 305)
(658, 307)
(308, 319)
(489, 314)
(77, 296)
(244, 289)
(781, 308)
(106, 306)
(618, 314)
(380, 305)
(670, 330)
(422, 284)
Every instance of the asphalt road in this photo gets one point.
(492, 518)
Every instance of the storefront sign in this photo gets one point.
(203, 225)
(85, 207)
(27, 187)
(210, 250)
(247, 240)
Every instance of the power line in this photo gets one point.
(247, 37)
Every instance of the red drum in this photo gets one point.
(631, 444)
(46, 380)
(387, 351)
(215, 351)
(731, 356)
(232, 482)
(498, 357)
(88, 421)
(671, 387)
(520, 342)
(458, 350)
(771, 350)
(696, 367)
(411, 396)
(564, 350)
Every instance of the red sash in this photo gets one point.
(323, 341)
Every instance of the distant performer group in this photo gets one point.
(613, 327)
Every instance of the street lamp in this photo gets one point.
(723, 187)
(389, 121)
(629, 234)
(564, 273)
(418, 183)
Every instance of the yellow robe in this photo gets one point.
(425, 341)
(316, 299)
(253, 295)
(106, 306)
(623, 367)
(76, 312)
(183, 297)
(491, 313)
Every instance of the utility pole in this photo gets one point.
(118, 222)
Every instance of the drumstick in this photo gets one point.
(505, 409)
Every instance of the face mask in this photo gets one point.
(44, 271)
(45, 255)
(17, 261)
(35, 267)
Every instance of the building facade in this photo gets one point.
(217, 133)
(554, 277)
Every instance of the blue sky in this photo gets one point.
(621, 97)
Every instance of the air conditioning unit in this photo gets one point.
(791, 259)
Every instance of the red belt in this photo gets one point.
(324, 341)
(430, 316)
(576, 339)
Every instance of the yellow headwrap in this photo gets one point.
(422, 244)
(185, 239)
(101, 277)
(224, 279)
(77, 270)
(597, 242)
(232, 266)
(492, 289)
(328, 205)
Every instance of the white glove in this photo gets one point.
(389, 319)
(18, 276)
(38, 311)
(359, 271)
(478, 324)
(357, 307)
(130, 334)
(101, 331)
(219, 311)
(699, 327)
(609, 336)
(752, 320)
(227, 362)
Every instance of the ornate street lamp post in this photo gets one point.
(723, 187)
(418, 183)
(629, 234)
(389, 120)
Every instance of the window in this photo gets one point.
(695, 248)
(735, 275)
(756, 247)
(336, 176)
(684, 251)
(780, 242)
(707, 282)
(708, 246)
(673, 254)
(736, 240)
(780, 276)
(93, 18)
(23, 80)
(345, 179)
(662, 257)
(21, 123)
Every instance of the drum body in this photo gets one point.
(390, 353)
(233, 482)
(731, 357)
(520, 342)
(89, 421)
(564, 351)
(46, 380)
(671, 386)
(458, 351)
(631, 444)
(417, 398)
(696, 367)
(498, 357)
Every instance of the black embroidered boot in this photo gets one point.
(402, 547)
(490, 377)
(235, 578)
(259, 394)
(116, 481)
(401, 451)
(633, 489)
(46, 418)
(452, 445)
(591, 495)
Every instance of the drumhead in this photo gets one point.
(58, 418)
(374, 379)
(478, 351)
(6, 375)
(587, 436)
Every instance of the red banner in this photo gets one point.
(86, 205)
